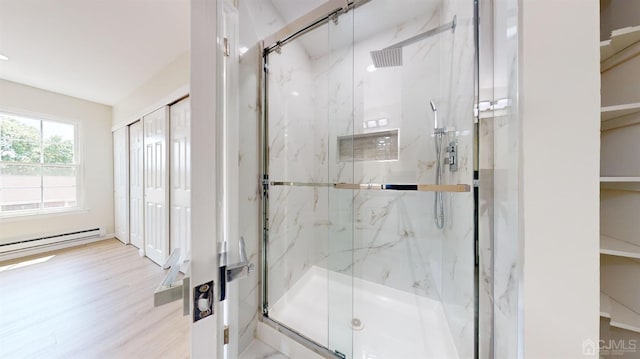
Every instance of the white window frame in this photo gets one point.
(41, 211)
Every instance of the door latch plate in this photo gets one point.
(202, 301)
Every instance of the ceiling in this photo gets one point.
(99, 50)
(292, 9)
(102, 50)
(368, 20)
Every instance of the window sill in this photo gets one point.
(10, 217)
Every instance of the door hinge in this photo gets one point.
(226, 334)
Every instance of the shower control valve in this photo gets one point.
(452, 159)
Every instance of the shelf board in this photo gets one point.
(616, 247)
(622, 45)
(619, 315)
(605, 305)
(620, 183)
(623, 317)
(611, 112)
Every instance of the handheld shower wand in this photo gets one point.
(435, 114)
(438, 202)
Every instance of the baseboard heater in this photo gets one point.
(51, 239)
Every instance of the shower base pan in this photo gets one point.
(364, 320)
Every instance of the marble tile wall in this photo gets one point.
(507, 269)
(457, 88)
(257, 19)
(297, 154)
(395, 241)
(249, 193)
(500, 268)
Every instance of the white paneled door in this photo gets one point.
(136, 186)
(156, 185)
(180, 178)
(120, 184)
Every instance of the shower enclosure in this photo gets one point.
(368, 154)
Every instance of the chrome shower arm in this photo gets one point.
(442, 28)
(392, 55)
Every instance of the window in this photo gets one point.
(38, 165)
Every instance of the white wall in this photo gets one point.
(559, 96)
(94, 127)
(166, 86)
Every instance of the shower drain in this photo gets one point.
(356, 324)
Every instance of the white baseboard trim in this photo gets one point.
(19, 253)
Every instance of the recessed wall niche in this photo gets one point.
(372, 146)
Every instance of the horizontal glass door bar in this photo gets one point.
(381, 187)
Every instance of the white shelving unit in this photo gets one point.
(620, 171)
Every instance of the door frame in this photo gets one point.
(206, 338)
(124, 133)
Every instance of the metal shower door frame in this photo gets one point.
(273, 43)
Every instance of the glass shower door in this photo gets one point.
(310, 236)
(370, 226)
(411, 142)
(340, 167)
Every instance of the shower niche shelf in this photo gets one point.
(372, 146)
(623, 44)
(620, 183)
(616, 247)
(620, 115)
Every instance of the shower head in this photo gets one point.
(389, 57)
(433, 106)
(392, 55)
